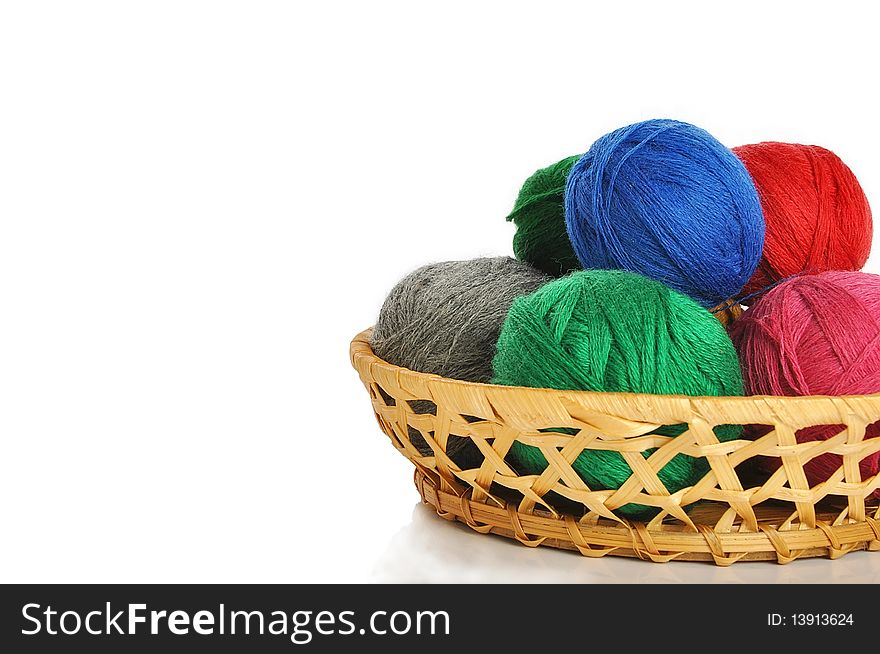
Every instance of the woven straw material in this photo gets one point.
(731, 515)
(727, 312)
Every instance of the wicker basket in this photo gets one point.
(731, 516)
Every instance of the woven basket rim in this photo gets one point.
(360, 347)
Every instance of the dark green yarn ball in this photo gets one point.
(616, 331)
(539, 215)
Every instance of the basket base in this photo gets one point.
(776, 539)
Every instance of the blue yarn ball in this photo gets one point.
(665, 199)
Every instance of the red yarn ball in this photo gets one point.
(815, 335)
(816, 213)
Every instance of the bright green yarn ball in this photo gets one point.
(616, 331)
(541, 238)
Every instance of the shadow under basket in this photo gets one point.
(731, 514)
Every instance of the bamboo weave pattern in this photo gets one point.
(730, 516)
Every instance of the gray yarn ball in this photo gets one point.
(444, 318)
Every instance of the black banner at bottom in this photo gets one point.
(278, 618)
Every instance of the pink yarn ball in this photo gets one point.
(815, 335)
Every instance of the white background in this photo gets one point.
(202, 202)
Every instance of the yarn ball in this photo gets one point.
(616, 331)
(816, 213)
(815, 335)
(444, 318)
(539, 216)
(665, 199)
